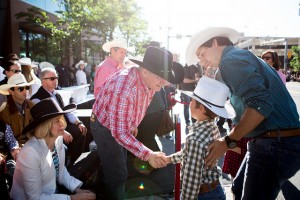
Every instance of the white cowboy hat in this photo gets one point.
(121, 43)
(45, 64)
(213, 95)
(27, 61)
(203, 36)
(16, 80)
(80, 63)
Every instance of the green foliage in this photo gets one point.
(296, 58)
(105, 19)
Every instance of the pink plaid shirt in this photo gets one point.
(121, 105)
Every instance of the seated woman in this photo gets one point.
(40, 167)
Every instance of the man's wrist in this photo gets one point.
(79, 123)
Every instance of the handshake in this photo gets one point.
(159, 159)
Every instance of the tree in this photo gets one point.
(296, 58)
(105, 19)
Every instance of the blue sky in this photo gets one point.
(274, 18)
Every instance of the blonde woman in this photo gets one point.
(40, 165)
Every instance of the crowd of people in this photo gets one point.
(39, 132)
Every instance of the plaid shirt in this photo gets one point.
(121, 105)
(193, 172)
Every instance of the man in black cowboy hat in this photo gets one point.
(117, 112)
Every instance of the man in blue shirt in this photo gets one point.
(265, 112)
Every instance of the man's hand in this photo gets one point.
(67, 137)
(157, 160)
(82, 129)
(134, 132)
(216, 150)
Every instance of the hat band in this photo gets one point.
(19, 83)
(207, 102)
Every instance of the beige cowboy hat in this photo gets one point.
(203, 36)
(120, 42)
(27, 61)
(213, 95)
(81, 62)
(16, 80)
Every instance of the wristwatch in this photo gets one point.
(231, 144)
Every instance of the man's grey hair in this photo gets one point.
(47, 70)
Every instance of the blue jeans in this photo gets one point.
(113, 162)
(268, 163)
(215, 194)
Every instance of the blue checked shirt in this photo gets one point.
(193, 172)
(256, 85)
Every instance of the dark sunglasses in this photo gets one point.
(51, 78)
(266, 57)
(20, 89)
(15, 70)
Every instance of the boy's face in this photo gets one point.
(193, 108)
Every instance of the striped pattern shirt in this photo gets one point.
(121, 105)
(193, 172)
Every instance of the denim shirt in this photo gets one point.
(256, 85)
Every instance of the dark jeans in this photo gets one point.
(113, 160)
(267, 165)
(217, 194)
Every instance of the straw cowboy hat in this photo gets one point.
(203, 36)
(46, 109)
(16, 80)
(156, 60)
(213, 95)
(27, 61)
(80, 63)
(120, 42)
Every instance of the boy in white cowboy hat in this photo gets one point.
(117, 50)
(265, 112)
(198, 181)
(80, 73)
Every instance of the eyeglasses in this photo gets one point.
(51, 78)
(266, 57)
(15, 70)
(20, 89)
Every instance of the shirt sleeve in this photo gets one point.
(10, 139)
(121, 116)
(191, 168)
(245, 81)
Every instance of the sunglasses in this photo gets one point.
(266, 57)
(15, 70)
(20, 89)
(51, 78)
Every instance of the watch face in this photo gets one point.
(232, 144)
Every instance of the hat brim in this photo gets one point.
(175, 78)
(35, 123)
(108, 45)
(4, 88)
(226, 112)
(203, 36)
(77, 65)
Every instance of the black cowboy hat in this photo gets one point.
(157, 60)
(44, 110)
(151, 44)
